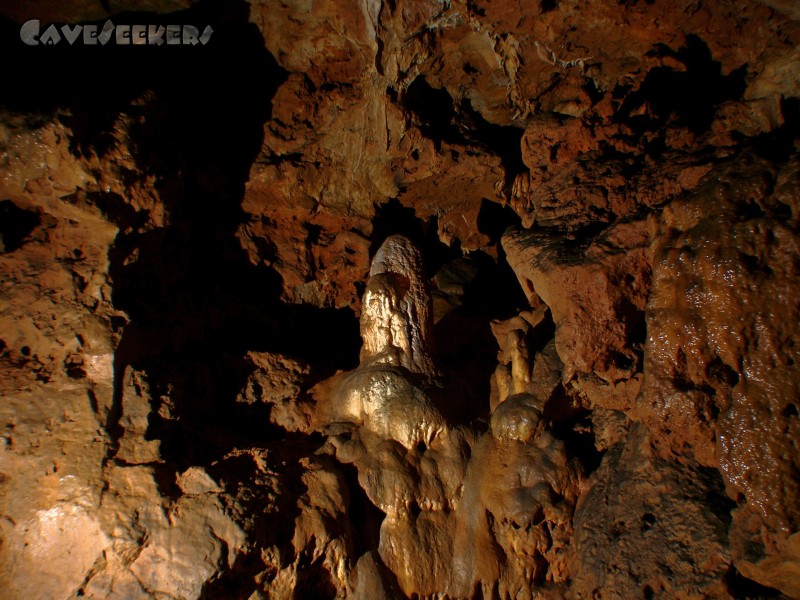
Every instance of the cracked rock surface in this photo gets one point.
(404, 299)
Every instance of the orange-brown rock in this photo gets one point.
(192, 239)
(649, 527)
(596, 290)
(514, 522)
(720, 354)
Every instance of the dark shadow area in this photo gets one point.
(267, 525)
(779, 145)
(548, 5)
(195, 117)
(16, 224)
(495, 290)
(742, 588)
(690, 96)
(441, 119)
(494, 219)
(574, 427)
(503, 141)
(433, 110)
(466, 349)
(316, 582)
(365, 517)
(717, 499)
(392, 218)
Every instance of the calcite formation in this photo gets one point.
(486, 511)
(408, 299)
(519, 494)
(406, 463)
(386, 393)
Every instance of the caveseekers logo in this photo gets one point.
(122, 35)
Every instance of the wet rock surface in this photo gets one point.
(402, 300)
(719, 281)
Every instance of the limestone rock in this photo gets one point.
(722, 320)
(521, 369)
(610, 427)
(390, 405)
(136, 409)
(170, 548)
(196, 481)
(386, 393)
(275, 378)
(649, 527)
(56, 547)
(185, 247)
(618, 396)
(396, 320)
(370, 579)
(596, 291)
(514, 522)
(278, 381)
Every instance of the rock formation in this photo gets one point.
(408, 299)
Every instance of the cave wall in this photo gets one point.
(403, 299)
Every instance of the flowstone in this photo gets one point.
(386, 394)
(463, 511)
